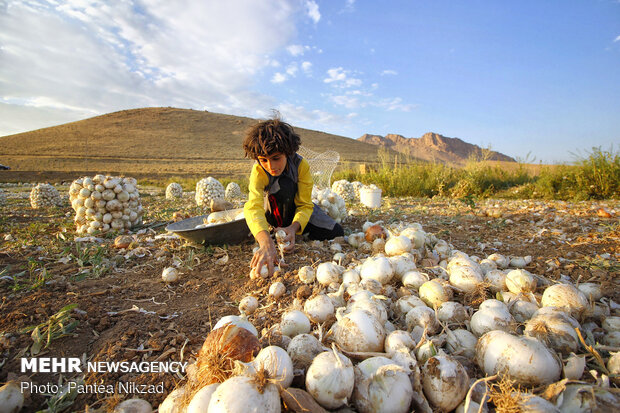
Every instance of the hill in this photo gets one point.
(434, 147)
(153, 142)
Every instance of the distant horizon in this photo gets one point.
(526, 160)
(528, 79)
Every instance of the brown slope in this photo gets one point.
(156, 140)
(434, 147)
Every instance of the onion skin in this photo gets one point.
(445, 382)
(230, 341)
(375, 231)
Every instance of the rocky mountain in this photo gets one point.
(434, 147)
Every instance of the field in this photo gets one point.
(125, 312)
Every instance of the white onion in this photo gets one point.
(306, 274)
(491, 315)
(248, 305)
(433, 293)
(497, 279)
(565, 296)
(302, 349)
(319, 308)
(445, 382)
(591, 290)
(377, 268)
(414, 279)
(398, 339)
(524, 359)
(359, 331)
(327, 273)
(384, 389)
(556, 329)
(170, 275)
(402, 264)
(242, 394)
(520, 281)
(200, 401)
(238, 321)
(465, 278)
(500, 260)
(276, 362)
(330, 379)
(294, 322)
(461, 342)
(277, 290)
(11, 398)
(397, 245)
(173, 402)
(452, 312)
(350, 276)
(365, 300)
(406, 303)
(424, 317)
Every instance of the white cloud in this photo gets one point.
(306, 67)
(315, 119)
(312, 9)
(348, 102)
(389, 72)
(278, 78)
(393, 104)
(83, 57)
(617, 39)
(340, 78)
(296, 49)
(291, 69)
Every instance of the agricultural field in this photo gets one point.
(68, 295)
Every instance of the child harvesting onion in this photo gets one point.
(280, 192)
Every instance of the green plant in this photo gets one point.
(62, 400)
(58, 325)
(90, 259)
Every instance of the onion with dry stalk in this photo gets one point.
(245, 394)
(524, 359)
(445, 382)
(330, 379)
(200, 401)
(554, 328)
(381, 387)
(520, 281)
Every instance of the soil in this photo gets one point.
(125, 312)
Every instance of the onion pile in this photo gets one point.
(105, 203)
(346, 190)
(330, 202)
(208, 189)
(44, 195)
(174, 190)
(411, 324)
(233, 192)
(357, 186)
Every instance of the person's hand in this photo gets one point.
(266, 255)
(289, 237)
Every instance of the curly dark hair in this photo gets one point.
(270, 136)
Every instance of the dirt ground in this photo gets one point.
(125, 312)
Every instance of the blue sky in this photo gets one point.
(537, 80)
